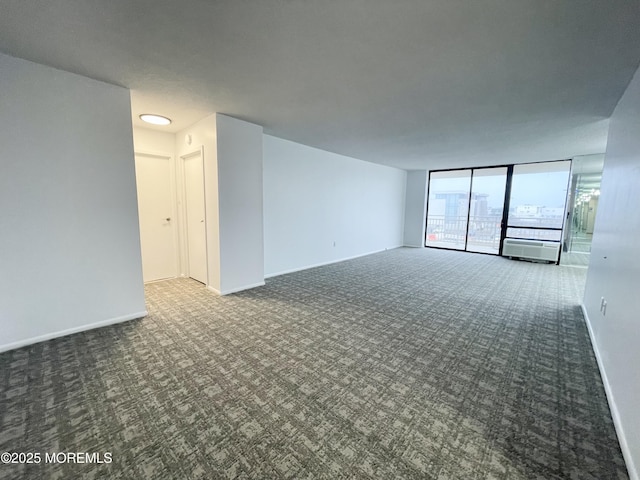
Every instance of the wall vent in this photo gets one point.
(531, 249)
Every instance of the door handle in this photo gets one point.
(168, 219)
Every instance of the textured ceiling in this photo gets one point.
(409, 83)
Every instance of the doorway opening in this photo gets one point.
(171, 212)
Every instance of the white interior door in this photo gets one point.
(195, 217)
(155, 210)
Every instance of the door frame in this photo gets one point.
(173, 194)
(182, 204)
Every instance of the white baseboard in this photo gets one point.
(69, 331)
(234, 290)
(615, 415)
(307, 267)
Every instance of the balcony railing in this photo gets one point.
(451, 231)
(484, 231)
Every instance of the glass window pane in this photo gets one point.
(539, 194)
(487, 205)
(448, 209)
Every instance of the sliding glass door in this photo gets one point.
(448, 212)
(488, 187)
(465, 209)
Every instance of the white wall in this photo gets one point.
(415, 209)
(69, 239)
(321, 207)
(241, 211)
(203, 135)
(614, 273)
(154, 141)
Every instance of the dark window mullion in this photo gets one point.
(505, 208)
(466, 233)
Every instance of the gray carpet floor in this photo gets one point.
(411, 363)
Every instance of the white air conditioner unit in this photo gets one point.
(531, 249)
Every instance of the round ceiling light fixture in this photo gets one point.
(155, 119)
